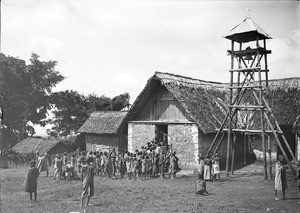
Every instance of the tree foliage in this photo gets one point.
(26, 91)
(120, 102)
(71, 109)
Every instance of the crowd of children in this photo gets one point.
(154, 160)
(209, 168)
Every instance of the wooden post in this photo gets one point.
(270, 156)
(266, 65)
(262, 120)
(230, 110)
(245, 148)
(233, 152)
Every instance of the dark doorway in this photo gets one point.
(290, 137)
(161, 132)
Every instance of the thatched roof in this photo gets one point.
(204, 101)
(284, 99)
(41, 145)
(296, 126)
(103, 122)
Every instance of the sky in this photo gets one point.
(112, 47)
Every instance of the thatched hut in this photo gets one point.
(190, 110)
(103, 129)
(41, 145)
(187, 110)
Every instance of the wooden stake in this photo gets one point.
(270, 156)
(245, 148)
(230, 111)
(233, 153)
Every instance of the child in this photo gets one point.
(173, 165)
(104, 163)
(98, 164)
(31, 180)
(58, 163)
(216, 167)
(135, 169)
(88, 180)
(155, 165)
(280, 176)
(201, 167)
(207, 168)
(143, 167)
(201, 186)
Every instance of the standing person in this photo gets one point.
(130, 168)
(122, 164)
(65, 159)
(113, 156)
(201, 166)
(155, 165)
(104, 163)
(43, 164)
(143, 161)
(98, 164)
(280, 176)
(31, 180)
(88, 180)
(161, 162)
(78, 158)
(216, 167)
(128, 164)
(109, 165)
(58, 164)
(207, 168)
(173, 168)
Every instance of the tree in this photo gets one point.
(26, 90)
(71, 109)
(120, 102)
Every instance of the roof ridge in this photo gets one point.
(186, 77)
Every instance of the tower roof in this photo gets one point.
(247, 31)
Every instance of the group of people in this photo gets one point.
(209, 167)
(153, 160)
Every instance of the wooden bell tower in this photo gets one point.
(248, 84)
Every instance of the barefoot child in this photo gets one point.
(201, 186)
(31, 180)
(216, 167)
(280, 176)
(88, 180)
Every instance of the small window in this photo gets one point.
(167, 96)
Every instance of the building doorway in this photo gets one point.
(161, 133)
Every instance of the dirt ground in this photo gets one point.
(246, 191)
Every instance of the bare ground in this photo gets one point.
(246, 191)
